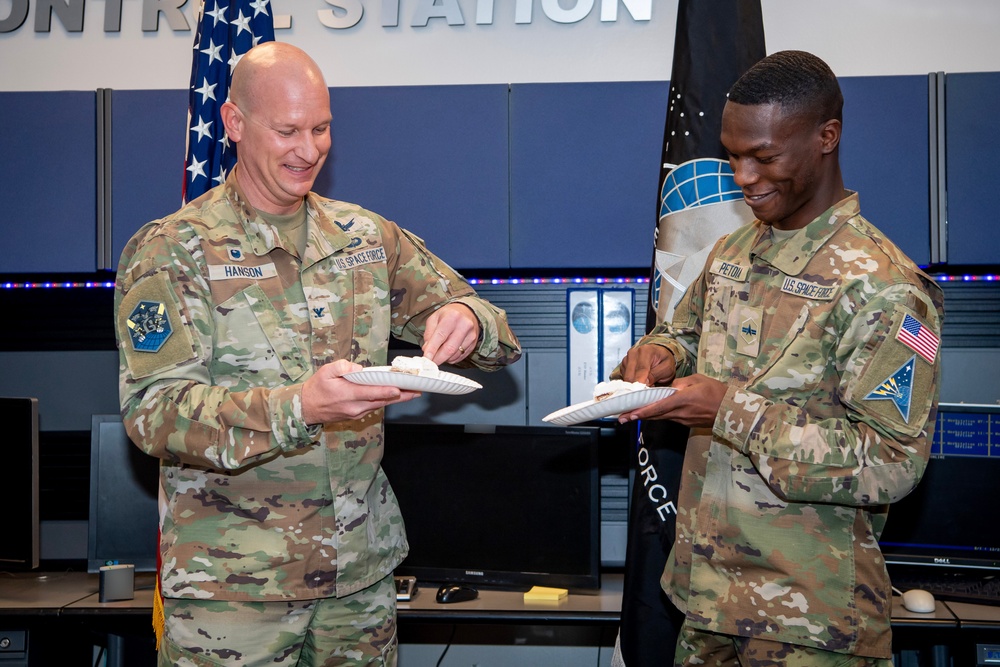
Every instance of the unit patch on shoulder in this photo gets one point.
(149, 326)
(919, 338)
(896, 388)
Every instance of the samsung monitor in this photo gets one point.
(950, 520)
(19, 546)
(498, 506)
(124, 483)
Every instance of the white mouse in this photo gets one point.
(918, 601)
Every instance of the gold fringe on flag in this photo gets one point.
(159, 619)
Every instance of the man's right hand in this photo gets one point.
(328, 397)
(650, 364)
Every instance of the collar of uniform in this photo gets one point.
(325, 237)
(262, 237)
(792, 256)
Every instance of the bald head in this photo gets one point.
(269, 66)
(278, 115)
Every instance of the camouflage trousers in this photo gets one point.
(356, 630)
(708, 649)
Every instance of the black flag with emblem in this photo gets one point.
(716, 42)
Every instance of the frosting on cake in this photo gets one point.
(609, 388)
(415, 366)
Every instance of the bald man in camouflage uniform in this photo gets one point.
(237, 318)
(806, 362)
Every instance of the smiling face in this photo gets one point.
(785, 163)
(279, 116)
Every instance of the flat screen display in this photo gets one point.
(503, 506)
(19, 544)
(124, 481)
(951, 518)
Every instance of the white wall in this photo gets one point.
(857, 38)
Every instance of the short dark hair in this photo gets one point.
(797, 80)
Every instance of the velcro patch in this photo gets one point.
(155, 351)
(919, 338)
(149, 326)
(897, 388)
(809, 290)
(720, 267)
(369, 256)
(233, 271)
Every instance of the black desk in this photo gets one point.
(65, 607)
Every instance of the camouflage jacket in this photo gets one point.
(827, 419)
(218, 326)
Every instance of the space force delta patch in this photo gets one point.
(896, 388)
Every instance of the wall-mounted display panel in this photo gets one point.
(884, 154)
(585, 161)
(431, 158)
(972, 102)
(147, 159)
(48, 172)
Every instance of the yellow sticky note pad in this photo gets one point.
(545, 594)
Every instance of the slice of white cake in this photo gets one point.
(609, 388)
(415, 366)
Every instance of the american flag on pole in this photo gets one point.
(226, 30)
(918, 338)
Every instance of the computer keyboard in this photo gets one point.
(975, 586)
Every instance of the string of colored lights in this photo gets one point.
(110, 284)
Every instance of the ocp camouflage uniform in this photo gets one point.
(260, 505)
(827, 418)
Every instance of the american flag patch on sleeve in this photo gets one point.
(918, 338)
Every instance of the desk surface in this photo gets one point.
(603, 606)
(37, 593)
(44, 592)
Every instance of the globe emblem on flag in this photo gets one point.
(698, 183)
(689, 185)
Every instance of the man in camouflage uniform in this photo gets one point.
(806, 362)
(237, 317)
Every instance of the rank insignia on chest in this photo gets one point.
(748, 321)
(149, 326)
(896, 388)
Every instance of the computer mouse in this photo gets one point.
(456, 593)
(918, 601)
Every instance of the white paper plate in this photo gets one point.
(444, 383)
(614, 406)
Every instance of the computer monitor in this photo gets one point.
(500, 506)
(950, 520)
(19, 546)
(124, 482)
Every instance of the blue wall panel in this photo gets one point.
(972, 103)
(48, 176)
(147, 159)
(431, 158)
(585, 160)
(885, 157)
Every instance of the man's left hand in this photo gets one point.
(696, 403)
(451, 334)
